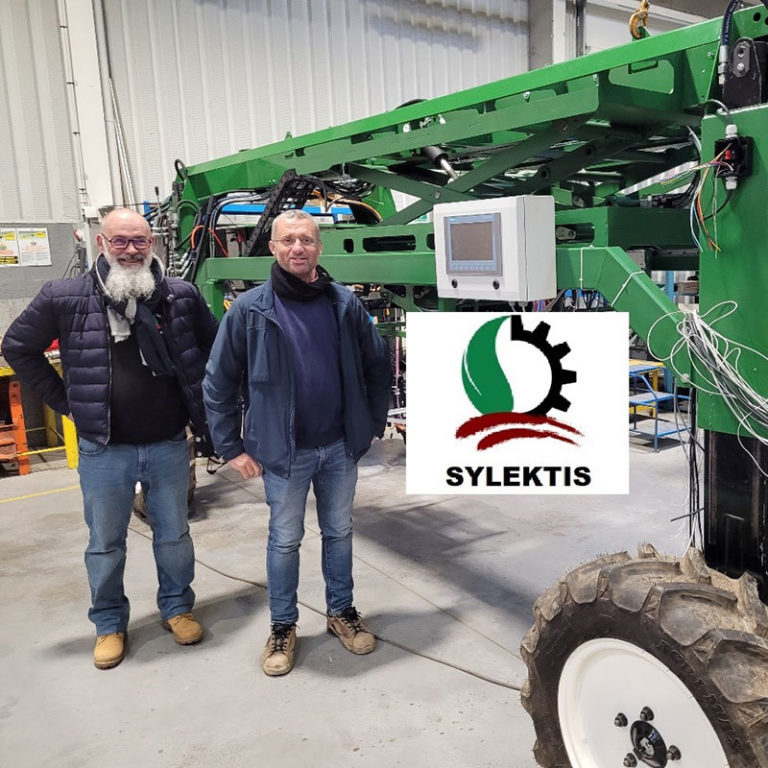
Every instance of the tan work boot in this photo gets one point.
(186, 630)
(109, 650)
(278, 655)
(349, 628)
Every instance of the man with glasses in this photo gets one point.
(133, 349)
(316, 376)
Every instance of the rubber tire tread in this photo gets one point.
(710, 630)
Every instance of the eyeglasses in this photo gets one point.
(288, 241)
(121, 243)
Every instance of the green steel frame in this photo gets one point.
(581, 131)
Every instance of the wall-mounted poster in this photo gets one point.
(9, 248)
(34, 250)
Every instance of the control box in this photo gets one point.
(498, 248)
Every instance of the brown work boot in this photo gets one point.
(186, 630)
(109, 650)
(278, 656)
(349, 628)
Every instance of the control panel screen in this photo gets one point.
(473, 244)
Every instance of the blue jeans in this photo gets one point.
(108, 476)
(333, 475)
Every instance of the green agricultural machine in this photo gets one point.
(651, 156)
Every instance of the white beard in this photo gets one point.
(124, 283)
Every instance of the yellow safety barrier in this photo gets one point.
(65, 441)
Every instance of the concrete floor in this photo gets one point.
(446, 582)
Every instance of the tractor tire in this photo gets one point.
(140, 504)
(648, 661)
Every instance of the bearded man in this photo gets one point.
(133, 344)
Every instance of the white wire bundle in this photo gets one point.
(715, 361)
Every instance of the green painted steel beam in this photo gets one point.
(357, 141)
(627, 288)
(607, 270)
(680, 261)
(657, 81)
(733, 279)
(413, 268)
(572, 162)
(629, 227)
(497, 164)
(430, 193)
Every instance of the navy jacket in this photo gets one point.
(249, 386)
(72, 310)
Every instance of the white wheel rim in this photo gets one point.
(605, 677)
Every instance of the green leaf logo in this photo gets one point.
(481, 373)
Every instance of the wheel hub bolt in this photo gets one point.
(630, 761)
(620, 721)
(646, 714)
(673, 753)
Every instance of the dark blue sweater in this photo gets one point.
(312, 332)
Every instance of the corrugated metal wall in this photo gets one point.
(37, 176)
(199, 79)
(607, 22)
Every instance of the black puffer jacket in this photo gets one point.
(72, 311)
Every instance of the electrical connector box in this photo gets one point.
(736, 154)
(501, 248)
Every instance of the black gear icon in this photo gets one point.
(560, 376)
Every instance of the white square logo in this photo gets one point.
(532, 403)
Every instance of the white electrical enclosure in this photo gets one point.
(502, 248)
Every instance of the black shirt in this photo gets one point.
(144, 408)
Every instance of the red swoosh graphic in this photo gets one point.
(487, 421)
(510, 434)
